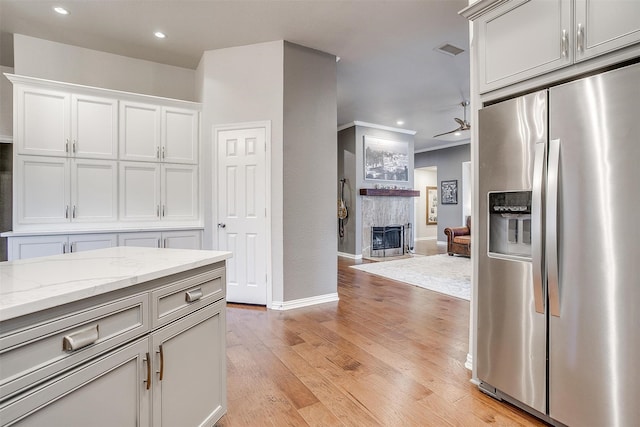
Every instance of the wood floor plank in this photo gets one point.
(386, 354)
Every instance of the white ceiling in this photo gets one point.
(388, 70)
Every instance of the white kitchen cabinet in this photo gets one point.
(53, 122)
(178, 239)
(521, 39)
(53, 190)
(507, 33)
(155, 192)
(180, 135)
(603, 26)
(155, 133)
(139, 131)
(24, 247)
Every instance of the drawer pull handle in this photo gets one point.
(193, 295)
(80, 339)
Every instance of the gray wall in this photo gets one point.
(449, 163)
(56, 61)
(310, 167)
(351, 166)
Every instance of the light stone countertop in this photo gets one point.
(31, 285)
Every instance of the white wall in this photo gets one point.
(424, 178)
(56, 61)
(245, 84)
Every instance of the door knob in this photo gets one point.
(221, 225)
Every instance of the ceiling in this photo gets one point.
(389, 69)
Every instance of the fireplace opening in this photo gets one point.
(387, 237)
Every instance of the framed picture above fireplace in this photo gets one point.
(386, 160)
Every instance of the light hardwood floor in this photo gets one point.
(386, 354)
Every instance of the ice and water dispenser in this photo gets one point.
(510, 224)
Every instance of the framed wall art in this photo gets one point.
(432, 205)
(386, 160)
(449, 192)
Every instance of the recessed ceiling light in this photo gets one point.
(61, 10)
(160, 35)
(400, 122)
(457, 134)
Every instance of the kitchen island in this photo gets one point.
(121, 336)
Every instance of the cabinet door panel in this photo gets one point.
(42, 119)
(606, 25)
(507, 34)
(179, 135)
(182, 239)
(139, 191)
(32, 247)
(179, 192)
(145, 240)
(94, 127)
(192, 391)
(88, 242)
(139, 131)
(42, 186)
(94, 190)
(108, 392)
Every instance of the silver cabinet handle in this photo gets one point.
(72, 247)
(159, 244)
(565, 44)
(64, 248)
(73, 211)
(163, 152)
(158, 211)
(551, 249)
(536, 226)
(164, 243)
(66, 211)
(193, 295)
(580, 38)
(66, 145)
(80, 339)
(158, 152)
(163, 210)
(73, 147)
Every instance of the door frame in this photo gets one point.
(266, 124)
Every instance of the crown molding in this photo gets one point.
(375, 126)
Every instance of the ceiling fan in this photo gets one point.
(464, 124)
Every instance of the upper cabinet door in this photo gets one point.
(139, 131)
(42, 121)
(179, 135)
(94, 127)
(605, 25)
(42, 190)
(523, 39)
(180, 193)
(94, 190)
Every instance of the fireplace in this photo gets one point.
(386, 238)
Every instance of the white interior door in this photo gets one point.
(242, 212)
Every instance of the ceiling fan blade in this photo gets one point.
(459, 121)
(446, 133)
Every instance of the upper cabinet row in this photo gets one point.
(61, 123)
(563, 32)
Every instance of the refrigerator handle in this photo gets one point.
(551, 238)
(536, 226)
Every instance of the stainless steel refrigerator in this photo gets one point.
(559, 250)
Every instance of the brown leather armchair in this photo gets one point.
(459, 239)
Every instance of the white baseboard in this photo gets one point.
(352, 256)
(420, 239)
(469, 363)
(442, 242)
(303, 302)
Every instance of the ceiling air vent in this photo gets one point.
(449, 49)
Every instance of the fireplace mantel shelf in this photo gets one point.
(389, 192)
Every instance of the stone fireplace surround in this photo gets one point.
(383, 211)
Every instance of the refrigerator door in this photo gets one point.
(511, 334)
(594, 343)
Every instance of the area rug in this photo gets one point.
(450, 275)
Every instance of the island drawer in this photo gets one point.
(185, 296)
(31, 355)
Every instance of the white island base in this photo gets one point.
(114, 337)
